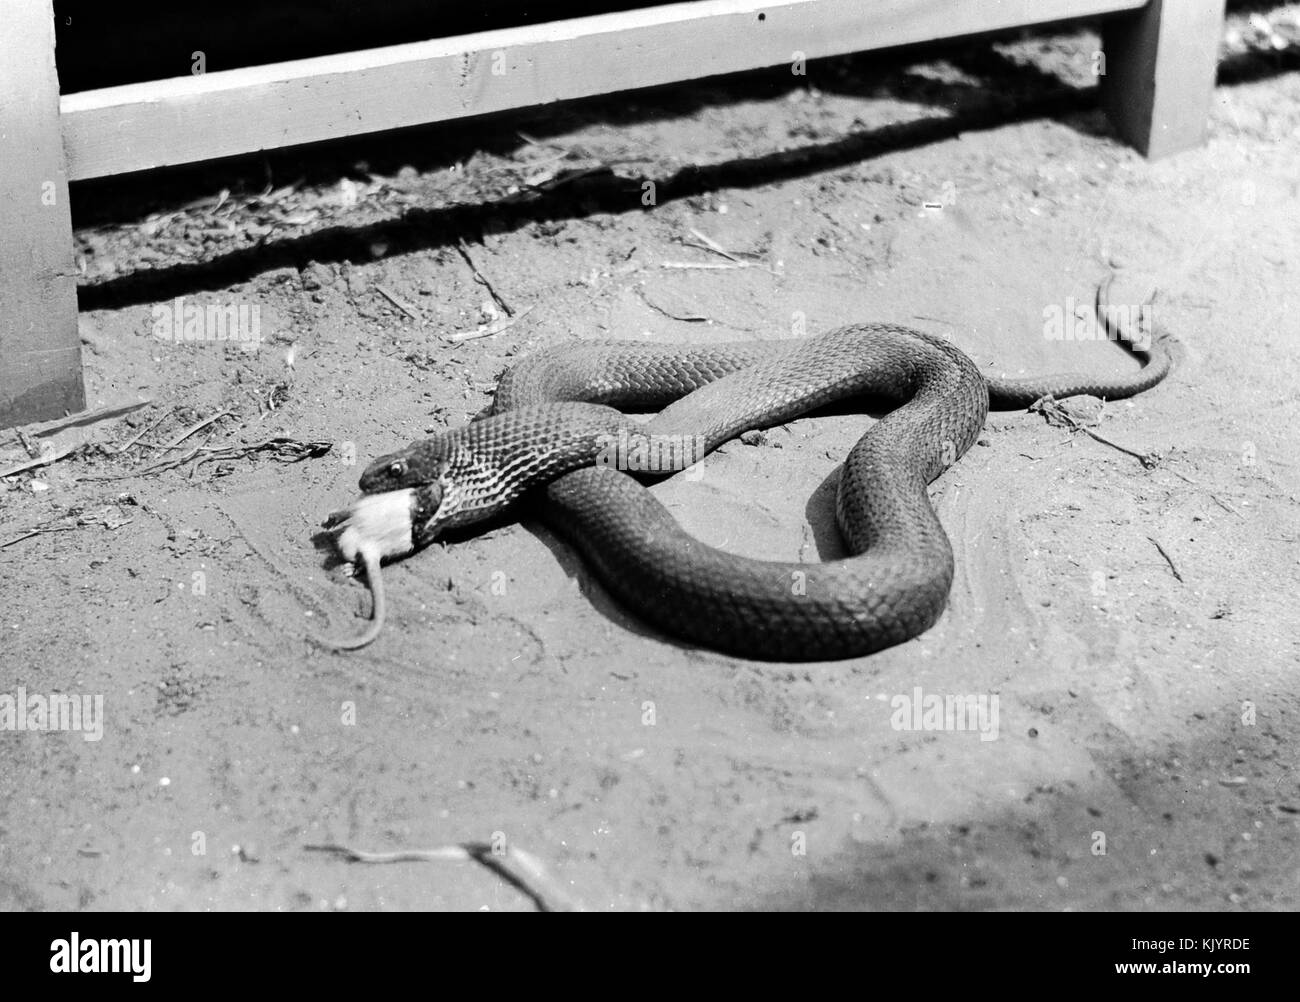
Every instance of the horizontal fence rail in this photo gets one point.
(185, 119)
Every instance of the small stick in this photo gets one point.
(690, 318)
(149, 471)
(1168, 559)
(87, 417)
(279, 448)
(444, 853)
(705, 265)
(1147, 459)
(29, 445)
(38, 532)
(396, 301)
(1048, 405)
(1225, 506)
(480, 277)
(713, 245)
(519, 869)
(43, 460)
(496, 327)
(195, 428)
(141, 434)
(531, 141)
(568, 177)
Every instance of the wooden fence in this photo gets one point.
(1160, 59)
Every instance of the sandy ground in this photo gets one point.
(1142, 712)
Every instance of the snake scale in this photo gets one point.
(554, 432)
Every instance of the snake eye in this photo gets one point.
(397, 467)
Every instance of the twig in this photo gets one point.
(480, 277)
(713, 245)
(85, 418)
(1148, 459)
(657, 308)
(42, 460)
(38, 532)
(398, 302)
(195, 428)
(496, 327)
(148, 471)
(569, 176)
(1047, 406)
(442, 854)
(28, 443)
(1225, 506)
(531, 141)
(141, 434)
(286, 450)
(1168, 559)
(521, 870)
(705, 265)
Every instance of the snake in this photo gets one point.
(556, 435)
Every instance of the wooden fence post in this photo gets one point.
(1159, 73)
(40, 351)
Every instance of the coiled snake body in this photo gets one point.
(554, 429)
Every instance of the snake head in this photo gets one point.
(422, 462)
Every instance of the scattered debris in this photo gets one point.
(281, 449)
(167, 412)
(277, 395)
(286, 450)
(50, 441)
(110, 517)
